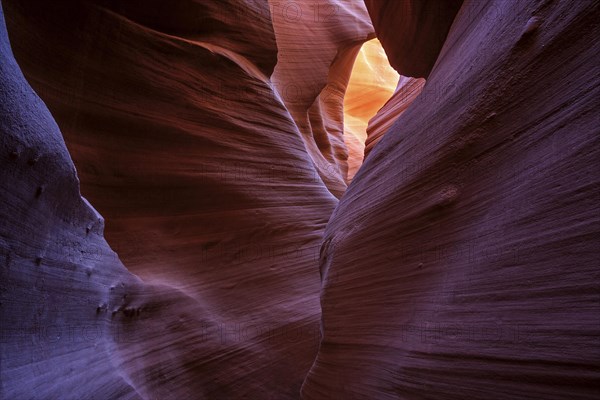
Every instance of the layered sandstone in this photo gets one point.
(462, 261)
(407, 90)
(215, 186)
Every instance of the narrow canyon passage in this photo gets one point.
(371, 85)
(316, 199)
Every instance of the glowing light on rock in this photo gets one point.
(372, 83)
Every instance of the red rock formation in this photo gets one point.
(462, 261)
(406, 92)
(318, 42)
(209, 179)
(412, 31)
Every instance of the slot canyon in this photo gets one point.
(309, 199)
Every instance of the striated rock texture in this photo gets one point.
(56, 268)
(407, 90)
(318, 41)
(412, 33)
(462, 261)
(215, 186)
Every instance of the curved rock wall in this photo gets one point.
(462, 261)
(56, 268)
(211, 181)
(318, 41)
(412, 31)
(407, 90)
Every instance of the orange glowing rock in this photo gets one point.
(371, 84)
